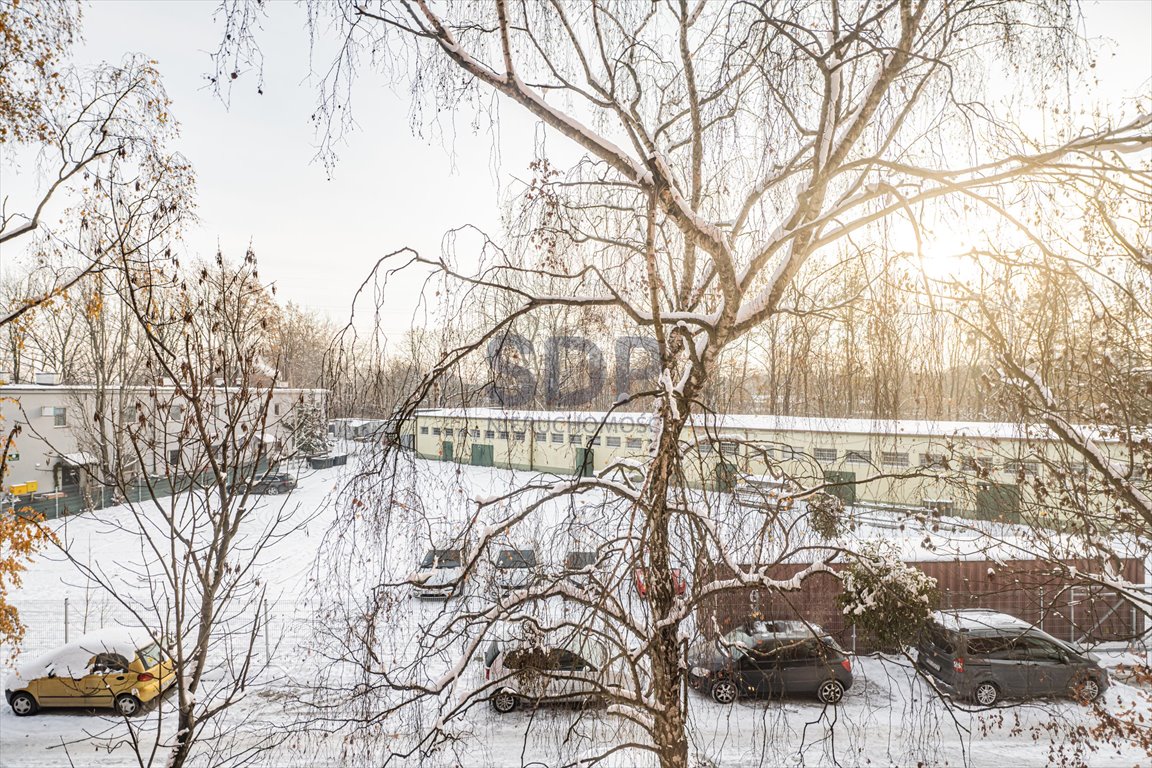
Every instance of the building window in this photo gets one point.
(858, 457)
(476, 433)
(935, 460)
(423, 430)
(541, 437)
(176, 412)
(894, 458)
(436, 430)
(704, 449)
(174, 456)
(518, 436)
(1022, 468)
(940, 506)
(634, 442)
(613, 442)
(787, 452)
(825, 455)
(595, 441)
(575, 439)
(275, 409)
(503, 435)
(489, 434)
(977, 464)
(60, 417)
(728, 448)
(557, 437)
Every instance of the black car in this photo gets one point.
(771, 658)
(984, 656)
(269, 484)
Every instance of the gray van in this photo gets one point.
(984, 656)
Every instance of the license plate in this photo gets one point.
(934, 664)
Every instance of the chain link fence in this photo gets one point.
(282, 627)
(73, 499)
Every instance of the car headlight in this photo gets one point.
(699, 671)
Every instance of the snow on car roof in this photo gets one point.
(969, 619)
(71, 660)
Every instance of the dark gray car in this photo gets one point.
(985, 656)
(771, 658)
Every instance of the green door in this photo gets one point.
(446, 451)
(725, 477)
(842, 485)
(998, 501)
(481, 455)
(585, 464)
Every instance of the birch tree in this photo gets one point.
(727, 153)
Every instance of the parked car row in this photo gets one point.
(441, 573)
(977, 655)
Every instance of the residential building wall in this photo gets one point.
(58, 426)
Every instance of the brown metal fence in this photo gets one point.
(1039, 592)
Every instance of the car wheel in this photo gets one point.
(23, 704)
(127, 704)
(724, 691)
(830, 691)
(274, 490)
(1086, 691)
(986, 694)
(503, 702)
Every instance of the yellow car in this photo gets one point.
(117, 668)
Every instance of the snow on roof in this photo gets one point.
(71, 660)
(921, 428)
(79, 459)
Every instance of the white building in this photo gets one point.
(70, 433)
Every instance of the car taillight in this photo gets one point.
(847, 664)
(958, 664)
(487, 673)
(144, 677)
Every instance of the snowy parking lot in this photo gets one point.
(889, 717)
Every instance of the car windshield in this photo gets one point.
(575, 561)
(735, 644)
(491, 652)
(829, 641)
(150, 655)
(516, 558)
(441, 558)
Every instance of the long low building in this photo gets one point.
(975, 469)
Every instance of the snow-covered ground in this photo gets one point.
(889, 717)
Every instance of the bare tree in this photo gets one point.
(206, 428)
(731, 153)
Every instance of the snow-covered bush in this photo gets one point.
(826, 515)
(885, 596)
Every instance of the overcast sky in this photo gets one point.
(316, 236)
